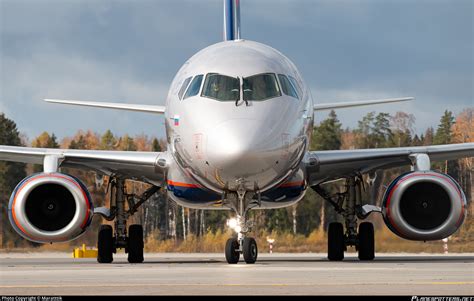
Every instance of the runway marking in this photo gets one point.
(236, 284)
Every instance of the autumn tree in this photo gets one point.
(348, 139)
(142, 143)
(463, 132)
(463, 128)
(87, 140)
(428, 137)
(44, 140)
(126, 143)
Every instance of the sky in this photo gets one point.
(129, 51)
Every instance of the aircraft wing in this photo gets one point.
(111, 105)
(322, 166)
(148, 167)
(360, 103)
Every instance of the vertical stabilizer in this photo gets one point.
(231, 20)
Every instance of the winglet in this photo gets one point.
(349, 104)
(111, 105)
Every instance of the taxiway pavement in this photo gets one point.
(209, 274)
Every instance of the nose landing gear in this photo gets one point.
(241, 244)
(247, 246)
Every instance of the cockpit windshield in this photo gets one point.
(221, 87)
(260, 87)
(255, 88)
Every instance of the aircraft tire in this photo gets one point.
(105, 244)
(250, 250)
(336, 243)
(232, 254)
(135, 244)
(366, 241)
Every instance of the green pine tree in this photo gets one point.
(108, 141)
(443, 133)
(382, 135)
(11, 174)
(443, 136)
(155, 145)
(364, 131)
(79, 144)
(327, 136)
(417, 141)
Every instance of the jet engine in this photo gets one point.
(424, 205)
(50, 207)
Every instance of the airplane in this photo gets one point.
(238, 120)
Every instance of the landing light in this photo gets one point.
(232, 223)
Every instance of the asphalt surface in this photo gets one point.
(209, 274)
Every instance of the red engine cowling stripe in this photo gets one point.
(416, 174)
(44, 176)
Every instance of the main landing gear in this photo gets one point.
(132, 240)
(348, 204)
(241, 203)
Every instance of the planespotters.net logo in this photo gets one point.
(416, 298)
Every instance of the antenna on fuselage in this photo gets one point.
(231, 20)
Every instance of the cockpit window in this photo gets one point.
(194, 87)
(183, 87)
(287, 87)
(260, 87)
(221, 87)
(296, 85)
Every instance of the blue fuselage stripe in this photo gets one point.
(194, 194)
(201, 195)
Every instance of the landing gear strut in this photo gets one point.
(132, 241)
(241, 203)
(348, 204)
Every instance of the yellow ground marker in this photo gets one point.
(84, 252)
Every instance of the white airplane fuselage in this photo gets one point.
(233, 145)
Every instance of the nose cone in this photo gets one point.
(242, 151)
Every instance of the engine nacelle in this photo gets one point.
(424, 205)
(50, 207)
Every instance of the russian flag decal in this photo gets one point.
(176, 120)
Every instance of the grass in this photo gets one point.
(316, 242)
(285, 242)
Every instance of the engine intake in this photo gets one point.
(50, 207)
(424, 206)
